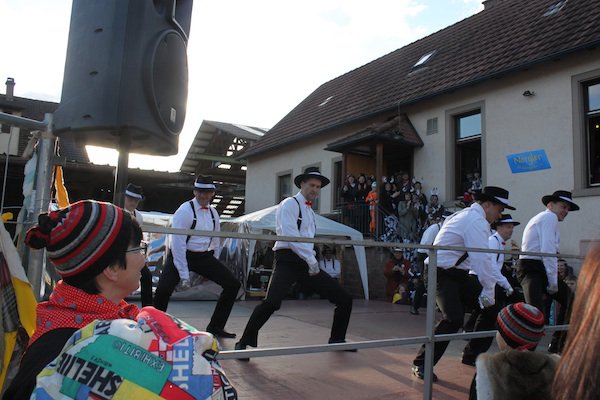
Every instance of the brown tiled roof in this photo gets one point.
(508, 36)
(35, 109)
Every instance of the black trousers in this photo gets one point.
(208, 266)
(146, 287)
(420, 286)
(289, 268)
(456, 292)
(534, 281)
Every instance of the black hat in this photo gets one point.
(134, 191)
(494, 194)
(204, 183)
(561, 195)
(311, 172)
(506, 219)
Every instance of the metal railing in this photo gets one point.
(428, 339)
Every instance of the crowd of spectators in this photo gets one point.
(399, 201)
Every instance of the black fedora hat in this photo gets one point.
(311, 172)
(507, 219)
(134, 191)
(204, 183)
(494, 194)
(446, 214)
(561, 195)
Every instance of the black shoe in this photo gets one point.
(220, 333)
(239, 346)
(553, 349)
(342, 341)
(419, 373)
(468, 360)
(414, 310)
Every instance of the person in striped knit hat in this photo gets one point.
(517, 371)
(96, 248)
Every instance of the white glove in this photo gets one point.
(552, 289)
(509, 291)
(313, 269)
(485, 301)
(184, 284)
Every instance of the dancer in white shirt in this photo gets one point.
(329, 263)
(199, 254)
(539, 275)
(133, 196)
(456, 288)
(504, 230)
(296, 262)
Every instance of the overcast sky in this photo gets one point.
(250, 62)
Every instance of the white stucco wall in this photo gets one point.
(512, 124)
(515, 124)
(261, 176)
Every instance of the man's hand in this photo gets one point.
(552, 289)
(313, 269)
(509, 291)
(485, 301)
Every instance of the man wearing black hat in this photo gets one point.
(296, 262)
(199, 254)
(456, 288)
(482, 320)
(133, 196)
(539, 275)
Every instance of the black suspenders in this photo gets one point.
(195, 219)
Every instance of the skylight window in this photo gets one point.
(326, 101)
(556, 7)
(424, 59)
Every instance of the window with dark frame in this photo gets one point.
(337, 183)
(592, 122)
(467, 129)
(284, 186)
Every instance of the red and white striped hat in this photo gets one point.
(77, 237)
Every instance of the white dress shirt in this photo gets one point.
(183, 219)
(332, 267)
(429, 236)
(497, 243)
(468, 228)
(541, 235)
(286, 221)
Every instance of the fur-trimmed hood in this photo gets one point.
(515, 375)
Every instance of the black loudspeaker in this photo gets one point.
(126, 74)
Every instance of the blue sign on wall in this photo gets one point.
(534, 160)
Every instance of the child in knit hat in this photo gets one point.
(517, 371)
(96, 249)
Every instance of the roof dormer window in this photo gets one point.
(556, 7)
(424, 59)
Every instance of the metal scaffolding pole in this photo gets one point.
(43, 192)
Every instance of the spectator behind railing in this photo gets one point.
(578, 373)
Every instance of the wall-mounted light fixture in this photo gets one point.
(528, 93)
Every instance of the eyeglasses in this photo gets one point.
(142, 249)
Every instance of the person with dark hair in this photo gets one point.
(296, 262)
(538, 276)
(517, 372)
(578, 372)
(396, 272)
(458, 290)
(96, 248)
(133, 196)
(199, 254)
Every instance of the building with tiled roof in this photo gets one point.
(512, 92)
